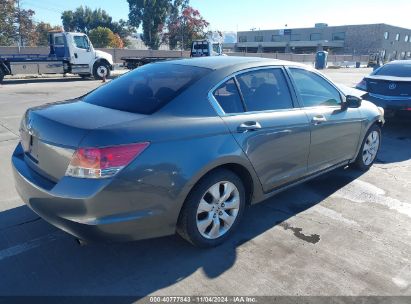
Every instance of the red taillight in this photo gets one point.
(103, 162)
(362, 85)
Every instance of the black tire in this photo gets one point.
(187, 222)
(359, 161)
(98, 68)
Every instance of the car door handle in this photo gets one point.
(318, 119)
(249, 126)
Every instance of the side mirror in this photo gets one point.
(351, 102)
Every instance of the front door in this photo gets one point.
(335, 132)
(260, 114)
(82, 50)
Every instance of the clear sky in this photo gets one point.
(233, 15)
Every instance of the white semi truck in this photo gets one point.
(69, 53)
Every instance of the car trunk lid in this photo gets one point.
(389, 85)
(51, 134)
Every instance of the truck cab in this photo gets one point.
(84, 59)
(201, 48)
(69, 53)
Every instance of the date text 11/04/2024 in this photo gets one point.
(203, 299)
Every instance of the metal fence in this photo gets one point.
(340, 60)
(117, 54)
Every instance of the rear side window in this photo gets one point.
(265, 89)
(146, 89)
(315, 90)
(58, 40)
(228, 97)
(396, 70)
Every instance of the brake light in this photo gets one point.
(362, 85)
(103, 162)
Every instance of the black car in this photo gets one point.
(390, 88)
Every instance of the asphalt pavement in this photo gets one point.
(345, 233)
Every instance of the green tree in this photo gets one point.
(43, 30)
(102, 37)
(15, 23)
(84, 19)
(8, 28)
(124, 29)
(152, 15)
(27, 27)
(173, 35)
(189, 26)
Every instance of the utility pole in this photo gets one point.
(20, 42)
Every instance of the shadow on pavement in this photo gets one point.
(38, 259)
(396, 141)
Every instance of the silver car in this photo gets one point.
(183, 146)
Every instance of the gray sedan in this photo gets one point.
(184, 146)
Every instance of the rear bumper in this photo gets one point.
(92, 210)
(388, 102)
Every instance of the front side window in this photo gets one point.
(314, 90)
(406, 38)
(386, 35)
(146, 89)
(265, 89)
(228, 97)
(81, 42)
(397, 37)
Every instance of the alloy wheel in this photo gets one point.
(370, 149)
(218, 210)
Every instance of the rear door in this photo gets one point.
(258, 107)
(334, 132)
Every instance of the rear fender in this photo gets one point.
(167, 171)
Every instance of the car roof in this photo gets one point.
(219, 62)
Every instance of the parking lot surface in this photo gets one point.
(345, 233)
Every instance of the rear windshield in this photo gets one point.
(146, 89)
(396, 70)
